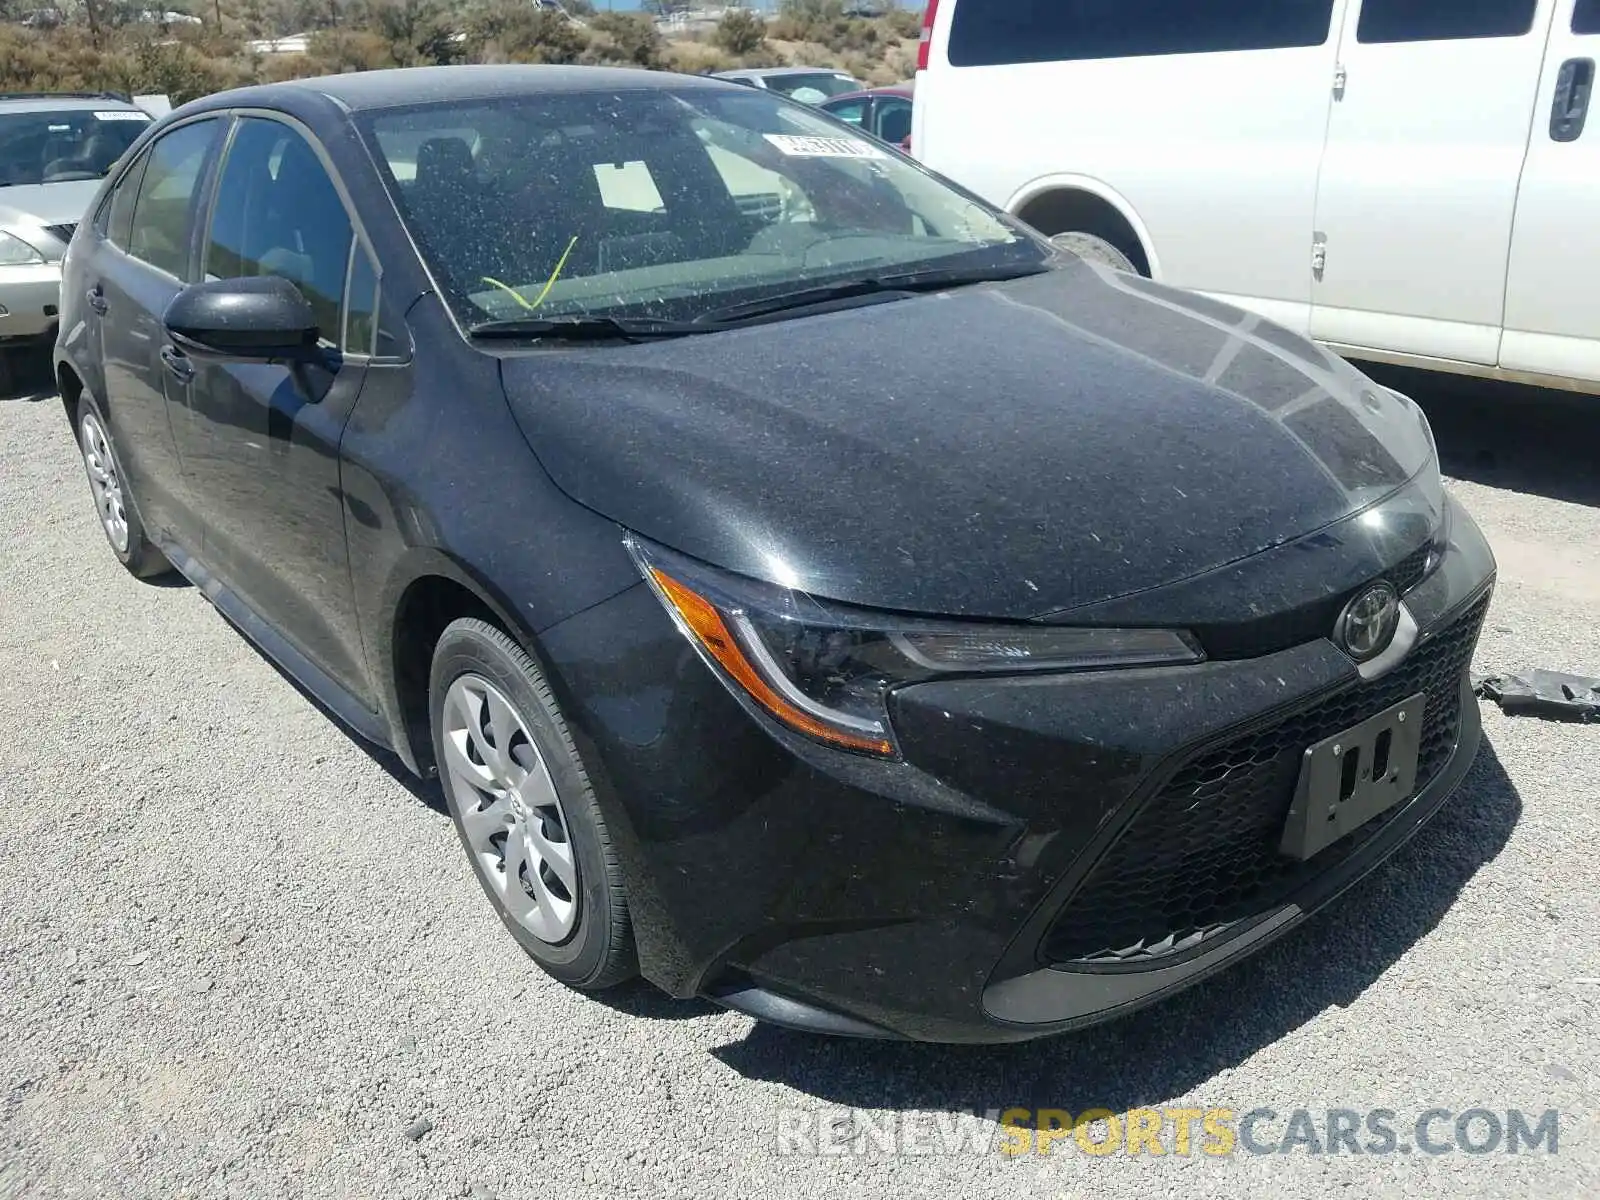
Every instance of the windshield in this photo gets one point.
(812, 87)
(666, 204)
(57, 147)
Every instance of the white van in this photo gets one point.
(1406, 180)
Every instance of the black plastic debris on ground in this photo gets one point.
(1548, 694)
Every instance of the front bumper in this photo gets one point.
(30, 298)
(984, 888)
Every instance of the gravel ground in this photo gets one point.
(239, 955)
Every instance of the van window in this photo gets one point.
(1586, 17)
(990, 32)
(1431, 21)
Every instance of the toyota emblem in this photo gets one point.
(1367, 625)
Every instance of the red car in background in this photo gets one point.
(884, 112)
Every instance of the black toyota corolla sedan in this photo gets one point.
(811, 589)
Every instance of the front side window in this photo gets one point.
(996, 32)
(1431, 21)
(278, 213)
(1586, 16)
(65, 146)
(894, 119)
(664, 203)
(163, 213)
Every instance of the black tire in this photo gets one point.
(139, 554)
(1095, 249)
(599, 951)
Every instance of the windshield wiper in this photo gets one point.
(576, 328)
(905, 283)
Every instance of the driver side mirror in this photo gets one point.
(260, 319)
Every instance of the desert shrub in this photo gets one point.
(625, 38)
(696, 58)
(741, 32)
(512, 31)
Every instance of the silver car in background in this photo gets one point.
(54, 150)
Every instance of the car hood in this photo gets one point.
(1009, 451)
(47, 203)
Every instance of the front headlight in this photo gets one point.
(14, 252)
(825, 669)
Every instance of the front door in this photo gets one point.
(260, 441)
(1552, 323)
(1419, 178)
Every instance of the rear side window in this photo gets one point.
(163, 215)
(1586, 17)
(1432, 21)
(119, 212)
(993, 32)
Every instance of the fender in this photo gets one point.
(1069, 182)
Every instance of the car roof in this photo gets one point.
(904, 91)
(774, 72)
(31, 102)
(423, 85)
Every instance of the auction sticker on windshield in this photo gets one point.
(121, 115)
(797, 146)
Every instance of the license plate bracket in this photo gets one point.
(1350, 778)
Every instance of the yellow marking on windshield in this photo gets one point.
(531, 305)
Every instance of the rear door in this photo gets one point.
(1552, 321)
(139, 265)
(1419, 179)
(260, 440)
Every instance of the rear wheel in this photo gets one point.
(1095, 249)
(119, 516)
(524, 808)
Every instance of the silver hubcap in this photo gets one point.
(104, 482)
(509, 810)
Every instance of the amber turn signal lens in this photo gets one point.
(708, 627)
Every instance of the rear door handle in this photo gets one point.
(178, 363)
(97, 299)
(1574, 85)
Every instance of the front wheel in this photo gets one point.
(524, 808)
(119, 516)
(1095, 249)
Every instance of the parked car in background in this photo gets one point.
(1403, 181)
(848, 608)
(55, 150)
(810, 85)
(883, 112)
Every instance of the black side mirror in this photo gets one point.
(262, 319)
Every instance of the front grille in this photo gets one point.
(1411, 570)
(64, 232)
(1202, 855)
(1281, 631)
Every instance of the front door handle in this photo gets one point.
(1574, 85)
(178, 363)
(97, 299)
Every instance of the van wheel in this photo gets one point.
(1095, 249)
(525, 810)
(113, 502)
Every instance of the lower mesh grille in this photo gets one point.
(1202, 855)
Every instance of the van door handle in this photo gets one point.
(1574, 85)
(97, 299)
(178, 363)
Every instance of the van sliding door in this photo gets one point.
(1552, 322)
(1419, 179)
